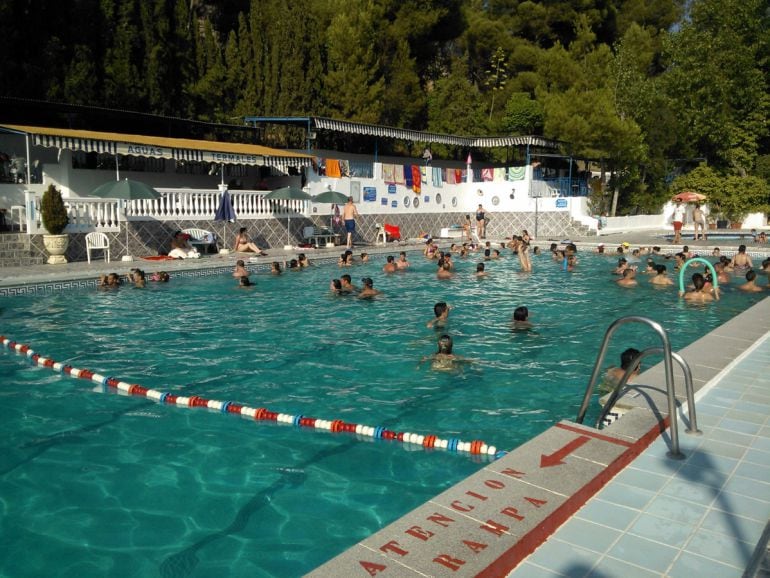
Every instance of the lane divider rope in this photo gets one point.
(475, 447)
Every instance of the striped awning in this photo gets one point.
(431, 137)
(160, 147)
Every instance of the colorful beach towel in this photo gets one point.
(388, 173)
(416, 178)
(398, 174)
(437, 179)
(333, 168)
(516, 173)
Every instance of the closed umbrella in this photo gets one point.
(126, 190)
(225, 212)
(288, 194)
(331, 198)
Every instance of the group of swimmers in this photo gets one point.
(135, 277)
(241, 274)
(703, 288)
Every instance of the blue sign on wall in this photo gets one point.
(370, 194)
(426, 199)
(391, 189)
(384, 201)
(394, 204)
(561, 203)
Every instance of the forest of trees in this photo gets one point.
(649, 87)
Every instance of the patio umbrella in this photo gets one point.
(126, 190)
(331, 198)
(689, 197)
(225, 212)
(288, 194)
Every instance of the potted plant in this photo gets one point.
(55, 219)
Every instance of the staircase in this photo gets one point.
(16, 250)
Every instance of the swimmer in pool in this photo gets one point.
(628, 279)
(480, 272)
(615, 374)
(402, 262)
(661, 278)
(700, 293)
(347, 284)
(240, 269)
(390, 265)
(444, 270)
(521, 320)
(723, 276)
(441, 312)
(742, 262)
(750, 286)
(368, 291)
(444, 359)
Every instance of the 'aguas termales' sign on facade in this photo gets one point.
(160, 152)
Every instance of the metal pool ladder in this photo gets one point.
(668, 356)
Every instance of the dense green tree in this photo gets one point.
(355, 84)
(718, 77)
(454, 106)
(523, 115)
(124, 86)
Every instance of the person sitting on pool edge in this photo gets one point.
(181, 247)
(615, 374)
(244, 244)
(441, 312)
(368, 291)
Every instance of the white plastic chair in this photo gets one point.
(381, 234)
(98, 241)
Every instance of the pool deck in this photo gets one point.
(576, 501)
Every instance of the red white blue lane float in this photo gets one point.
(475, 447)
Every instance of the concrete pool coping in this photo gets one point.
(491, 522)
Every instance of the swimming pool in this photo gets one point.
(97, 484)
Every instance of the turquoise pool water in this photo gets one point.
(94, 483)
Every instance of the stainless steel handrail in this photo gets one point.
(692, 426)
(669, 371)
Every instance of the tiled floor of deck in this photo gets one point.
(702, 516)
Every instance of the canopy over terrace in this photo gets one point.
(178, 149)
(312, 124)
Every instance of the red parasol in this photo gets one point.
(689, 197)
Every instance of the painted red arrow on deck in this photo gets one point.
(555, 459)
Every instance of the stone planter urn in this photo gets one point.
(56, 245)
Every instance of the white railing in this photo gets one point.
(104, 215)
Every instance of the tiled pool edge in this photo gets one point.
(490, 522)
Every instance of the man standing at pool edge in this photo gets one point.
(678, 220)
(349, 214)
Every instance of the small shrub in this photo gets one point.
(53, 211)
